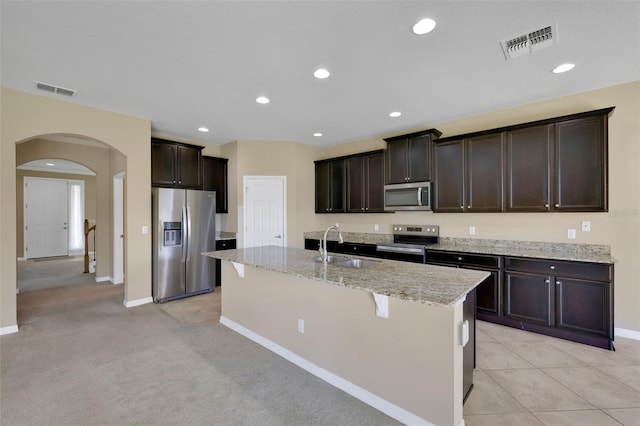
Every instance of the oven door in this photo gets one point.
(403, 252)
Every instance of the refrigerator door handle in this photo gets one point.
(184, 234)
(188, 241)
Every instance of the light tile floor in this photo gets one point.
(523, 378)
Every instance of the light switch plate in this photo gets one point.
(145, 229)
(472, 230)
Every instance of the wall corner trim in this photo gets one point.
(8, 330)
(102, 279)
(363, 395)
(137, 302)
(629, 334)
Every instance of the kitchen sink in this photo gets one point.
(347, 262)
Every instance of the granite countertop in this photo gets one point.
(595, 253)
(429, 284)
(225, 235)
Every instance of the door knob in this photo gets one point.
(278, 236)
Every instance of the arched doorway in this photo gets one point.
(62, 159)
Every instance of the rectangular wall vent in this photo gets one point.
(55, 89)
(529, 43)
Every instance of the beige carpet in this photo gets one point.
(81, 358)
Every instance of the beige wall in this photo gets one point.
(619, 228)
(89, 199)
(26, 116)
(273, 158)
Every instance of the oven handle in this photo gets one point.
(392, 249)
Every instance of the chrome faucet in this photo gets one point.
(323, 243)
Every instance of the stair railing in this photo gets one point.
(87, 229)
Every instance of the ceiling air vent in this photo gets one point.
(55, 89)
(528, 43)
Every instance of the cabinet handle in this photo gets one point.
(462, 207)
(547, 281)
(552, 267)
(468, 207)
(362, 208)
(547, 205)
(558, 282)
(460, 258)
(557, 205)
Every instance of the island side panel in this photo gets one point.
(411, 359)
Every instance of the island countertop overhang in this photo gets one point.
(429, 284)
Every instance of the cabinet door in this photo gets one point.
(583, 305)
(528, 169)
(337, 185)
(397, 171)
(374, 183)
(419, 158)
(528, 298)
(214, 178)
(189, 167)
(163, 164)
(449, 176)
(355, 184)
(484, 155)
(322, 187)
(580, 165)
(488, 294)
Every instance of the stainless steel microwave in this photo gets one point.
(407, 196)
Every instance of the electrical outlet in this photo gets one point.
(376, 227)
(586, 226)
(145, 229)
(472, 230)
(571, 234)
(300, 326)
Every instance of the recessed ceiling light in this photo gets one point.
(321, 73)
(317, 134)
(395, 114)
(262, 100)
(563, 68)
(50, 164)
(424, 26)
(203, 129)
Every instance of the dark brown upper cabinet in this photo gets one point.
(408, 157)
(558, 167)
(330, 186)
(553, 165)
(214, 178)
(365, 183)
(175, 165)
(468, 174)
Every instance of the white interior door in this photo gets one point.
(265, 210)
(46, 217)
(118, 228)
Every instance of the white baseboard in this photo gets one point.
(8, 330)
(363, 395)
(629, 334)
(22, 259)
(103, 279)
(138, 302)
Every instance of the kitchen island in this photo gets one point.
(389, 333)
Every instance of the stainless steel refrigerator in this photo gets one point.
(183, 228)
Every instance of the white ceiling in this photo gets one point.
(186, 64)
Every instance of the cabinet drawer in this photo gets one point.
(463, 259)
(357, 248)
(225, 244)
(594, 271)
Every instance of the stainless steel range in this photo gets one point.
(410, 242)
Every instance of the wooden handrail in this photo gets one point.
(87, 229)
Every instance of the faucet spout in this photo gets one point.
(323, 243)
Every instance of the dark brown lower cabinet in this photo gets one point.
(222, 245)
(570, 300)
(488, 293)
